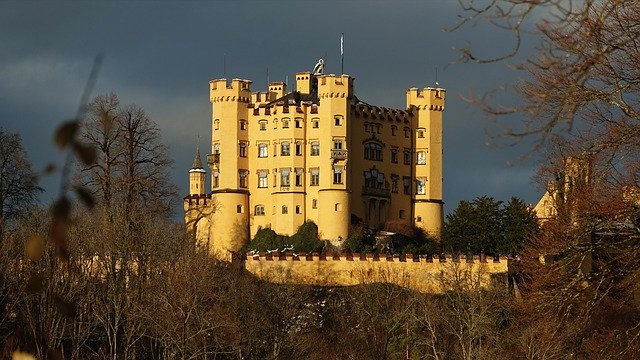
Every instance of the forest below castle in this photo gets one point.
(104, 272)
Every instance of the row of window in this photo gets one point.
(373, 179)
(259, 210)
(377, 129)
(372, 151)
(285, 177)
(285, 148)
(285, 123)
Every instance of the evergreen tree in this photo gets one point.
(485, 225)
(519, 224)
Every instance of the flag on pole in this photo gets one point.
(342, 53)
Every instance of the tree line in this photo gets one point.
(107, 284)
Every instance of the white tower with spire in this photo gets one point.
(197, 176)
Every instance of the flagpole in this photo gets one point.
(342, 53)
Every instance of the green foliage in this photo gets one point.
(410, 239)
(304, 240)
(360, 240)
(519, 224)
(485, 225)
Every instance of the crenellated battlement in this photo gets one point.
(421, 273)
(302, 256)
(334, 86)
(382, 113)
(238, 90)
(426, 99)
(196, 199)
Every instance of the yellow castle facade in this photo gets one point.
(280, 158)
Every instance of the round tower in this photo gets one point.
(427, 105)
(229, 166)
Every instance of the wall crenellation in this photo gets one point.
(422, 273)
(290, 255)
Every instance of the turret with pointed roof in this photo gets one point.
(197, 161)
(197, 176)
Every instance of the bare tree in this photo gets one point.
(584, 77)
(18, 181)
(133, 163)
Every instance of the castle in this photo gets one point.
(318, 153)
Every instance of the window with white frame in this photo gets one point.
(315, 148)
(421, 157)
(216, 179)
(242, 174)
(284, 177)
(421, 187)
(285, 148)
(299, 175)
(315, 177)
(263, 150)
(337, 174)
(262, 178)
(259, 210)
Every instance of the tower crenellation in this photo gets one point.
(280, 158)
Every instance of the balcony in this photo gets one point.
(213, 159)
(369, 191)
(339, 154)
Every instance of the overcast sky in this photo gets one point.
(161, 55)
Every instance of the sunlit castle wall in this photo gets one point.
(280, 158)
(423, 274)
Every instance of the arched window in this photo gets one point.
(298, 148)
(373, 151)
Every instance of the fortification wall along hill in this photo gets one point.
(422, 274)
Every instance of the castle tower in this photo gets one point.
(427, 106)
(335, 93)
(229, 165)
(197, 208)
(197, 176)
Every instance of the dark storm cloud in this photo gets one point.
(161, 55)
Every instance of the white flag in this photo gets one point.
(342, 44)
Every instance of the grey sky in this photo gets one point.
(162, 54)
